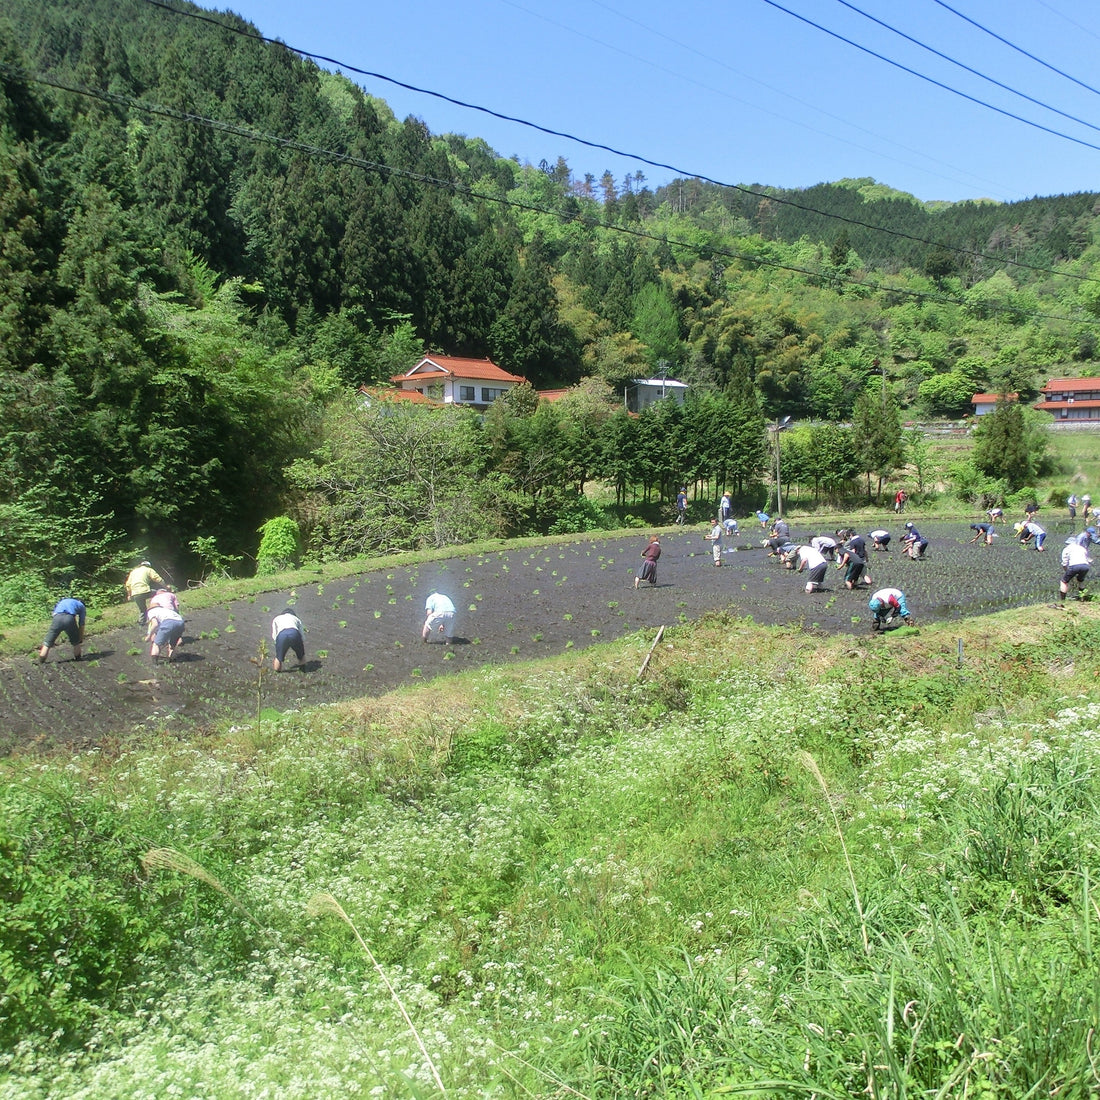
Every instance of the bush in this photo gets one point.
(280, 545)
(580, 514)
(24, 598)
(74, 924)
(215, 564)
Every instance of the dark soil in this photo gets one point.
(363, 632)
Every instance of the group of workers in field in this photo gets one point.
(159, 617)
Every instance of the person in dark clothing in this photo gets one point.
(650, 555)
(915, 543)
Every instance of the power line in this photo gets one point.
(964, 66)
(590, 222)
(1018, 49)
(793, 204)
(876, 150)
(931, 80)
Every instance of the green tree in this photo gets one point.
(1010, 446)
(876, 434)
(657, 325)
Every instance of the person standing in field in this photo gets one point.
(1071, 505)
(142, 581)
(900, 497)
(288, 634)
(715, 540)
(650, 555)
(681, 506)
(68, 618)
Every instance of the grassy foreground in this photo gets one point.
(774, 864)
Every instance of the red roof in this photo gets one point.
(551, 395)
(992, 398)
(439, 366)
(415, 396)
(1062, 406)
(1071, 385)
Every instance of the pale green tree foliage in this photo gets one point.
(393, 475)
(656, 323)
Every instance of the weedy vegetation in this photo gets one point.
(775, 865)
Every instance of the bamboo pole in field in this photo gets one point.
(645, 663)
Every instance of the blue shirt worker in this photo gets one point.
(915, 542)
(69, 615)
(982, 530)
(681, 505)
(288, 635)
(439, 616)
(885, 605)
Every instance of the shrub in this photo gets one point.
(214, 563)
(580, 514)
(24, 597)
(280, 545)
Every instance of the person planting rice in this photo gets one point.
(68, 619)
(439, 617)
(288, 634)
(812, 562)
(1075, 566)
(165, 632)
(886, 605)
(914, 542)
(854, 565)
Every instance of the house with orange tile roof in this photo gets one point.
(371, 395)
(448, 379)
(985, 403)
(1072, 401)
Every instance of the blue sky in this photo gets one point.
(740, 91)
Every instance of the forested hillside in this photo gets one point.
(207, 242)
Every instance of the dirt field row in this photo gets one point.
(363, 632)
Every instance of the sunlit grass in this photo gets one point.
(562, 878)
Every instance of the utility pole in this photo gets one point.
(777, 427)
